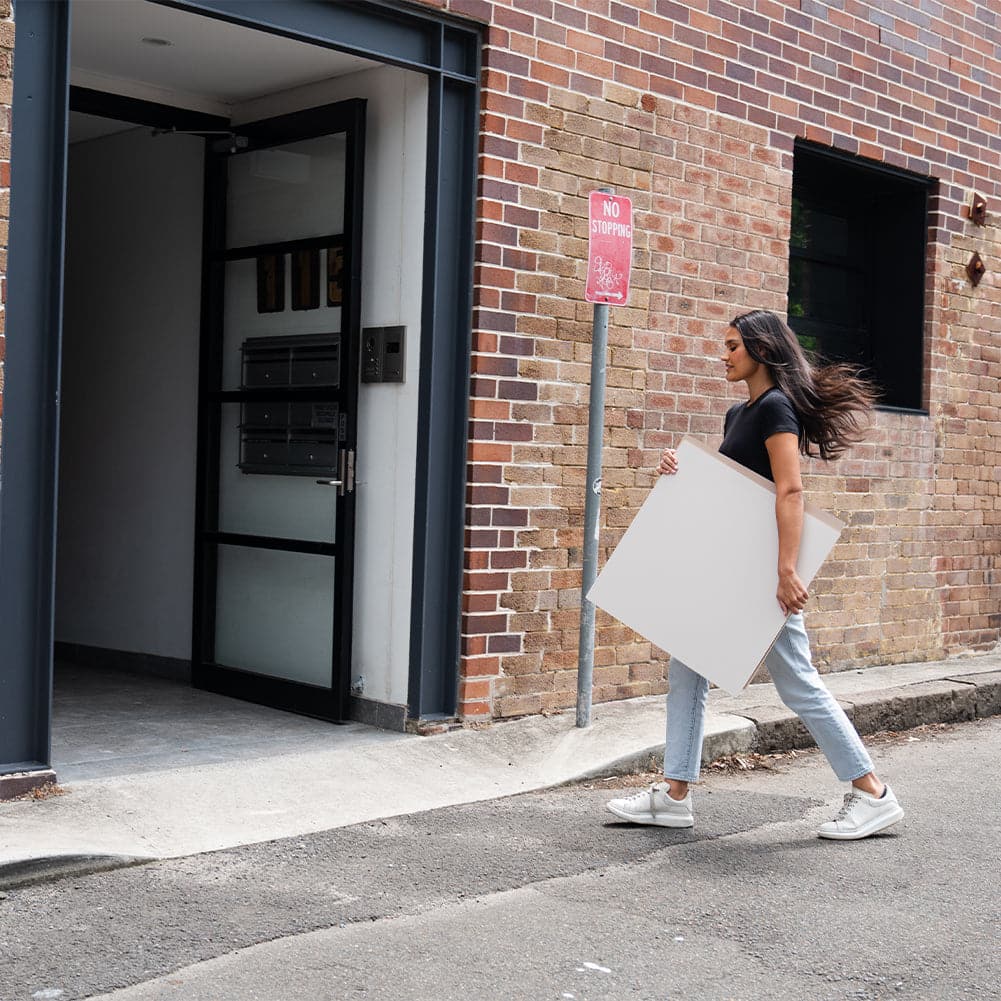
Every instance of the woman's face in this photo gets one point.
(739, 364)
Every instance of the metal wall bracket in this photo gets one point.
(978, 211)
(976, 269)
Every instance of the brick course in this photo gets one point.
(692, 110)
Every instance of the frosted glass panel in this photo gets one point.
(283, 507)
(274, 613)
(287, 192)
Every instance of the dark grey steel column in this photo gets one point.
(29, 448)
(444, 399)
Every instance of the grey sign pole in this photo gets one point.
(592, 509)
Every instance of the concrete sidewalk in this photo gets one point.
(238, 774)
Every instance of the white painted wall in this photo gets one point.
(129, 403)
(392, 260)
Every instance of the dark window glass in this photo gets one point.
(857, 268)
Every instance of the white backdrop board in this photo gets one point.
(696, 572)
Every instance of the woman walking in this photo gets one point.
(792, 408)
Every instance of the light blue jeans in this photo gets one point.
(800, 688)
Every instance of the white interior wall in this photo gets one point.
(392, 272)
(129, 400)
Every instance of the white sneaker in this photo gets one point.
(862, 815)
(654, 806)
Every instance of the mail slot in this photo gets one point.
(291, 437)
(265, 367)
(264, 455)
(312, 454)
(316, 366)
(314, 415)
(289, 456)
(265, 415)
(301, 360)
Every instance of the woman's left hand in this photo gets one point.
(668, 462)
(792, 593)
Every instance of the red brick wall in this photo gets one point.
(692, 109)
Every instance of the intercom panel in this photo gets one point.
(383, 354)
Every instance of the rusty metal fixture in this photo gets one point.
(978, 211)
(976, 269)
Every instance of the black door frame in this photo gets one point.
(348, 118)
(447, 51)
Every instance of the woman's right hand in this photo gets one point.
(792, 593)
(668, 462)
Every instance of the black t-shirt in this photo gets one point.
(749, 425)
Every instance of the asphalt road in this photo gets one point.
(545, 896)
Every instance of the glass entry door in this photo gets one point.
(278, 411)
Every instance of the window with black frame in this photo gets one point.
(857, 254)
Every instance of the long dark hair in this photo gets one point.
(832, 400)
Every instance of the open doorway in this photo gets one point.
(228, 63)
(213, 422)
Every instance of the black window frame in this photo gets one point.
(875, 254)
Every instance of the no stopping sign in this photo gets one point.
(609, 248)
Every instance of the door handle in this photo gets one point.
(345, 482)
(345, 468)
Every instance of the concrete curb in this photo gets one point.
(724, 735)
(771, 728)
(20, 783)
(951, 700)
(987, 699)
(27, 872)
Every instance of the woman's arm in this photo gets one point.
(783, 454)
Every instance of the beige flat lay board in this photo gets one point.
(696, 573)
